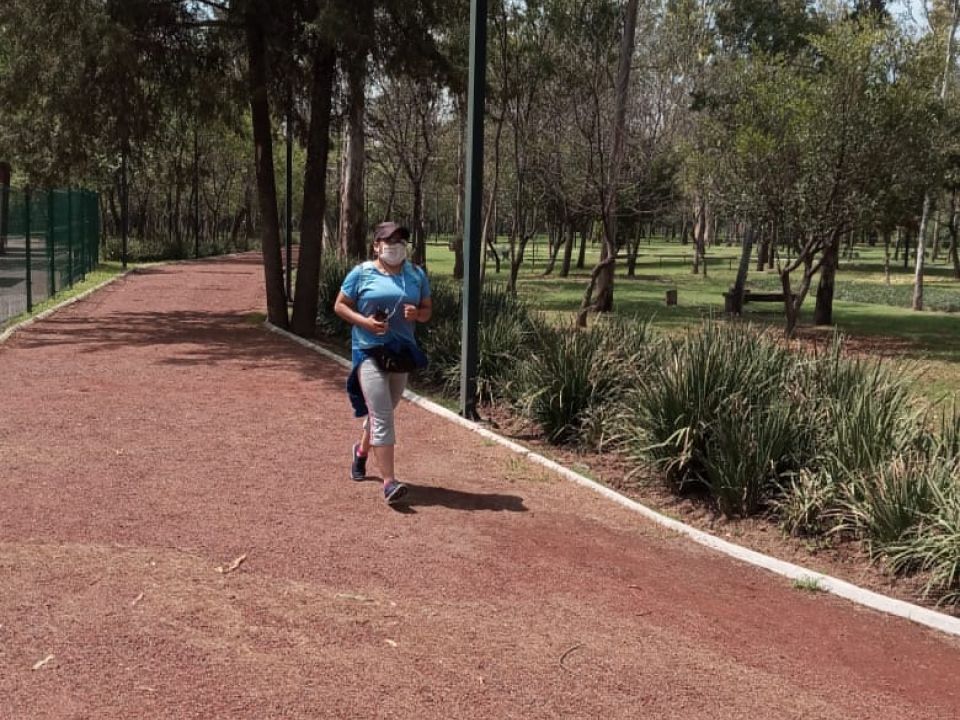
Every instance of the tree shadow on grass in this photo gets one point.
(429, 496)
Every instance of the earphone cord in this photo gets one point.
(403, 293)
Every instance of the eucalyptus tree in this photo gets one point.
(819, 139)
(950, 30)
(596, 41)
(603, 274)
(87, 81)
(405, 121)
(781, 27)
(396, 38)
(691, 48)
(528, 66)
(358, 41)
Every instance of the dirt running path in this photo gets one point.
(155, 432)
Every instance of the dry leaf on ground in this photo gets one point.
(232, 566)
(40, 663)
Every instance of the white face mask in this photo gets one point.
(393, 254)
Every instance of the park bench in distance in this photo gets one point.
(729, 298)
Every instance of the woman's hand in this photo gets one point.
(345, 309)
(371, 324)
(418, 313)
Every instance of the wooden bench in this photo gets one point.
(751, 296)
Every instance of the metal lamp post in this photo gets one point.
(473, 202)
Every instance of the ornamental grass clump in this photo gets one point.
(747, 455)
(804, 503)
(708, 413)
(572, 381)
(440, 338)
(858, 414)
(932, 544)
(333, 269)
(884, 506)
(946, 445)
(507, 326)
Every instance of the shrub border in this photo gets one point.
(861, 596)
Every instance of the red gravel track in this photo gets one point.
(156, 431)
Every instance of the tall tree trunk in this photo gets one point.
(775, 240)
(954, 235)
(928, 196)
(489, 236)
(352, 219)
(823, 312)
(921, 252)
(314, 193)
(582, 253)
(458, 221)
(603, 274)
(702, 230)
(571, 234)
(391, 195)
(790, 308)
(419, 239)
(634, 250)
(263, 159)
(936, 237)
(735, 305)
(490, 215)
(518, 251)
(793, 301)
(763, 250)
(886, 257)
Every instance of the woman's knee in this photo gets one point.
(382, 430)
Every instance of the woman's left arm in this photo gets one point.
(420, 313)
(425, 311)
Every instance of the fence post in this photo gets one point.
(95, 235)
(83, 234)
(26, 231)
(69, 238)
(51, 238)
(4, 204)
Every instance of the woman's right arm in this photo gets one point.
(346, 310)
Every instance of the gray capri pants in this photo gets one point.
(382, 392)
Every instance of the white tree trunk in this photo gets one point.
(928, 195)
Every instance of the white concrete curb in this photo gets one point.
(924, 616)
(5, 335)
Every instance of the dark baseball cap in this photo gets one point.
(388, 229)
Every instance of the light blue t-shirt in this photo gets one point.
(372, 290)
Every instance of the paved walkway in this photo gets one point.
(155, 432)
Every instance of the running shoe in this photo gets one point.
(393, 491)
(358, 468)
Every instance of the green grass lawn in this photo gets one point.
(926, 344)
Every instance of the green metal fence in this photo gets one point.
(49, 240)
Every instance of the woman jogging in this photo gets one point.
(383, 299)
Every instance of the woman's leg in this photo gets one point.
(379, 391)
(398, 383)
(364, 445)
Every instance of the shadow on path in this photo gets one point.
(428, 495)
(190, 338)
